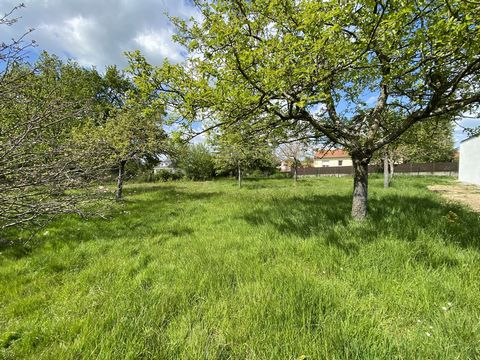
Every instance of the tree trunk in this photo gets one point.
(239, 176)
(386, 176)
(392, 168)
(295, 170)
(360, 189)
(121, 175)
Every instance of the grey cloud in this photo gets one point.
(98, 32)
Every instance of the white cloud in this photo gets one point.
(73, 35)
(318, 109)
(158, 43)
(199, 139)
(98, 32)
(465, 123)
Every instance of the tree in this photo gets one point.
(129, 134)
(12, 53)
(239, 150)
(113, 93)
(196, 161)
(39, 163)
(308, 161)
(317, 65)
(292, 152)
(425, 142)
(128, 126)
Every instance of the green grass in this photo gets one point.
(271, 271)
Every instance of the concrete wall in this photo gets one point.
(469, 169)
(332, 162)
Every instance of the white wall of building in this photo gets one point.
(469, 167)
(329, 162)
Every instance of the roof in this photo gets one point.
(337, 153)
(470, 138)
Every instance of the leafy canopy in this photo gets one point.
(327, 68)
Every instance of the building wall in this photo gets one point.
(332, 162)
(157, 169)
(284, 167)
(469, 167)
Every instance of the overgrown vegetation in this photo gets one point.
(270, 271)
(63, 127)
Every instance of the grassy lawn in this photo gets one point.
(271, 271)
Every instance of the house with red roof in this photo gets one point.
(334, 157)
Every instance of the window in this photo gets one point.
(325, 163)
(340, 162)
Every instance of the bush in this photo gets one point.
(256, 174)
(197, 162)
(167, 175)
(162, 175)
(280, 175)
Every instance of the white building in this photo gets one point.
(337, 157)
(164, 165)
(284, 167)
(469, 167)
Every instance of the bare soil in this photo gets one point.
(466, 194)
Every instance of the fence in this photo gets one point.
(439, 168)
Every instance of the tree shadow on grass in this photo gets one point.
(254, 185)
(159, 196)
(402, 217)
(257, 183)
(132, 217)
(147, 189)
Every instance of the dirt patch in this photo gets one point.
(466, 194)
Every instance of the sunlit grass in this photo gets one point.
(270, 271)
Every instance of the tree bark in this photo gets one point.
(239, 176)
(392, 168)
(360, 189)
(295, 170)
(386, 176)
(121, 175)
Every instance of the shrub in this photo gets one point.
(161, 175)
(280, 175)
(197, 162)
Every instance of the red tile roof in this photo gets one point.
(337, 153)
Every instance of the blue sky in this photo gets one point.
(471, 121)
(98, 32)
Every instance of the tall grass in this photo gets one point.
(269, 271)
